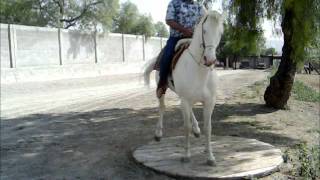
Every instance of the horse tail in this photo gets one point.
(148, 68)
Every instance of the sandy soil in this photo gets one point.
(87, 129)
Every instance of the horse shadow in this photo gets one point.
(246, 127)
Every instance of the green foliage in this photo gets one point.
(269, 51)
(21, 12)
(308, 166)
(246, 36)
(127, 18)
(305, 93)
(130, 21)
(81, 14)
(144, 26)
(243, 34)
(84, 14)
(161, 30)
(306, 27)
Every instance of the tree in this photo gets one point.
(243, 35)
(21, 12)
(127, 18)
(144, 26)
(130, 21)
(161, 30)
(85, 14)
(246, 32)
(299, 28)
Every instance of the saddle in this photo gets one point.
(183, 45)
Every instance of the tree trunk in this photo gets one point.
(279, 90)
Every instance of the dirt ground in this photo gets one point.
(87, 129)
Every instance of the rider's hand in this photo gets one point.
(187, 32)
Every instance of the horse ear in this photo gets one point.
(204, 10)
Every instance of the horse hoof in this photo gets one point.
(185, 159)
(211, 162)
(197, 135)
(156, 138)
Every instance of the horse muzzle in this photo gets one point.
(209, 62)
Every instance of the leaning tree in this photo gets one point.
(300, 27)
(300, 21)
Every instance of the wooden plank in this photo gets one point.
(236, 158)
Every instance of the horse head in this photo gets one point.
(210, 30)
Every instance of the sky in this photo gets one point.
(157, 10)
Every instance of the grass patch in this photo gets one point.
(305, 93)
(307, 163)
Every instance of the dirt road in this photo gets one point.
(87, 128)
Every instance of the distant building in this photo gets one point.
(252, 62)
(259, 62)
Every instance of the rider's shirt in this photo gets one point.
(185, 12)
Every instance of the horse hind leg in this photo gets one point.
(159, 127)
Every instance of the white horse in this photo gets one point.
(195, 80)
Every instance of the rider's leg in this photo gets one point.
(165, 64)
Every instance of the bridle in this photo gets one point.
(202, 45)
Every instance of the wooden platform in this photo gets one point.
(236, 158)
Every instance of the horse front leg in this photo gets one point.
(186, 112)
(195, 125)
(207, 114)
(159, 127)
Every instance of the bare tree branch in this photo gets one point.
(85, 9)
(69, 25)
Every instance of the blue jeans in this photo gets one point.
(166, 59)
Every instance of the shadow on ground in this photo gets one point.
(98, 144)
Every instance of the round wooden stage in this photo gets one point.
(235, 158)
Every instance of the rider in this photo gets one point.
(182, 16)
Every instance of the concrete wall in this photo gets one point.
(35, 46)
(4, 45)
(152, 47)
(77, 47)
(46, 47)
(38, 54)
(109, 48)
(133, 48)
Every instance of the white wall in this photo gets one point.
(4, 46)
(47, 47)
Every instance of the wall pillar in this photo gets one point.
(59, 41)
(12, 45)
(123, 48)
(143, 47)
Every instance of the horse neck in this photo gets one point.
(199, 73)
(197, 51)
(195, 45)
